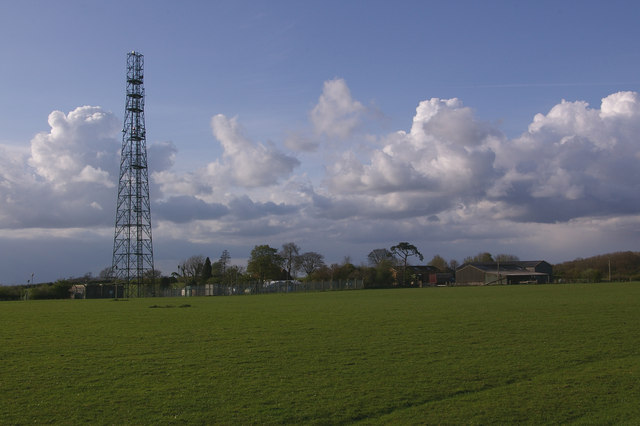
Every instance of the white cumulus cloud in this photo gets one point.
(80, 146)
(248, 163)
(575, 161)
(67, 176)
(446, 156)
(336, 114)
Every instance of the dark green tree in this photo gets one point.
(321, 273)
(403, 251)
(216, 271)
(233, 275)
(381, 275)
(264, 263)
(206, 270)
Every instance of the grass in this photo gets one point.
(520, 354)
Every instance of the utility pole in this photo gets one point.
(132, 243)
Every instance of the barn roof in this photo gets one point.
(516, 267)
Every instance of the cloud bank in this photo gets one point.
(450, 182)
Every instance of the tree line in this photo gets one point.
(617, 266)
(268, 263)
(385, 267)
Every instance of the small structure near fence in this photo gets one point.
(97, 291)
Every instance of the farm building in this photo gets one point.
(427, 275)
(513, 272)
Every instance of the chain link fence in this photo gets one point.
(261, 288)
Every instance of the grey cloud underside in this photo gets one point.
(183, 209)
(244, 208)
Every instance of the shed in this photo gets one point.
(513, 272)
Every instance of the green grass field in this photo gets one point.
(520, 354)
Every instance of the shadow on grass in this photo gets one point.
(170, 306)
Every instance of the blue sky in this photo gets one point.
(341, 126)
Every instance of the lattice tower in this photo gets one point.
(132, 243)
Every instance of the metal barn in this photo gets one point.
(514, 272)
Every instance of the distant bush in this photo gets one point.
(10, 292)
(58, 290)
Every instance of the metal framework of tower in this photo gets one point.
(132, 243)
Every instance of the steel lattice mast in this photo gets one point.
(132, 244)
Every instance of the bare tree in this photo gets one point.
(106, 273)
(379, 255)
(453, 264)
(289, 254)
(192, 268)
(506, 258)
(439, 262)
(224, 261)
(311, 261)
(482, 257)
